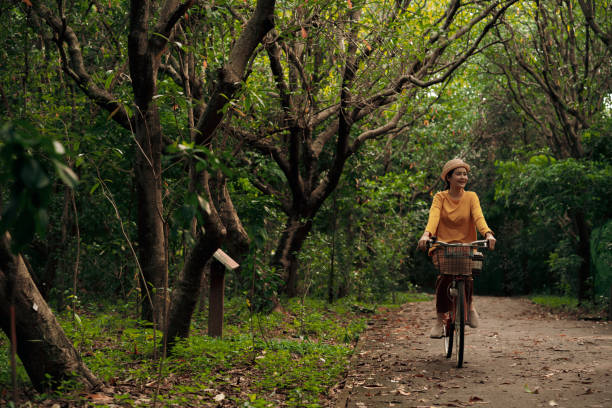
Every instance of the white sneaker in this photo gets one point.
(473, 319)
(437, 332)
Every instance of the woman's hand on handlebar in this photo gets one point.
(423, 240)
(490, 240)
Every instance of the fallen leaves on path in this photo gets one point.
(516, 359)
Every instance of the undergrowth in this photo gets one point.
(555, 302)
(285, 358)
(592, 309)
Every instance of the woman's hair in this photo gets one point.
(448, 175)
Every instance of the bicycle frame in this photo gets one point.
(457, 260)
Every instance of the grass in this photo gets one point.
(595, 309)
(288, 358)
(555, 302)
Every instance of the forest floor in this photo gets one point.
(520, 356)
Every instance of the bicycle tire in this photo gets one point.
(460, 322)
(449, 331)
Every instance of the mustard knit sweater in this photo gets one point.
(456, 220)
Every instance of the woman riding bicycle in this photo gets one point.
(454, 216)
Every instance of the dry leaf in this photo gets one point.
(402, 392)
(100, 398)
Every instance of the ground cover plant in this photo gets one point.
(289, 357)
(593, 309)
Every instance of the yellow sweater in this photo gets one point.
(456, 220)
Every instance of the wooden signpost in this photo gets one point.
(217, 289)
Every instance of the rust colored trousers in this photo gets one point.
(443, 301)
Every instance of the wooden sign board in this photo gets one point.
(225, 259)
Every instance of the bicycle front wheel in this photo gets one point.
(449, 332)
(460, 322)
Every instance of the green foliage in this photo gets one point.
(563, 264)
(26, 154)
(539, 196)
(310, 369)
(319, 325)
(549, 186)
(596, 139)
(601, 253)
(555, 302)
(23, 381)
(287, 358)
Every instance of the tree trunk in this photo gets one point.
(185, 294)
(331, 277)
(584, 234)
(238, 241)
(45, 351)
(151, 236)
(186, 290)
(144, 53)
(346, 258)
(290, 244)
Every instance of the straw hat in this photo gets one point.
(452, 165)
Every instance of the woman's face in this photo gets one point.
(459, 178)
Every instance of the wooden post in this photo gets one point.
(215, 302)
(217, 289)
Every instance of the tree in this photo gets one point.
(37, 337)
(601, 26)
(549, 189)
(46, 353)
(558, 75)
(342, 75)
(136, 109)
(569, 70)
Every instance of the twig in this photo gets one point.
(109, 197)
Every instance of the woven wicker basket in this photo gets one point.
(457, 260)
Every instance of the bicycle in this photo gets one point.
(461, 261)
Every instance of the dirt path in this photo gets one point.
(518, 357)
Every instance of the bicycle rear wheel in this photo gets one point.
(460, 322)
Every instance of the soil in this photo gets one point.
(520, 356)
